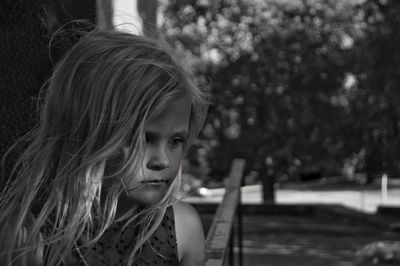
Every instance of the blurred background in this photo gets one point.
(307, 92)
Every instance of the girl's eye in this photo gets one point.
(175, 142)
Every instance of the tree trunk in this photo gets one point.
(104, 14)
(268, 182)
(147, 10)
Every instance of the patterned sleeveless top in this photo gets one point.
(114, 249)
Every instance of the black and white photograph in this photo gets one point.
(200, 132)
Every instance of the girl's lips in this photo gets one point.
(150, 184)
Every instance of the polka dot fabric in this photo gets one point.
(115, 247)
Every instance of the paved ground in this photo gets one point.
(300, 240)
(305, 240)
(280, 240)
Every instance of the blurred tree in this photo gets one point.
(377, 105)
(299, 86)
(278, 72)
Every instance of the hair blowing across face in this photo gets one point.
(99, 99)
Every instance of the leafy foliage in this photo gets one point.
(377, 107)
(296, 84)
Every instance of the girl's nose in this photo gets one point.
(158, 159)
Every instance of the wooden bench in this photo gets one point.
(220, 237)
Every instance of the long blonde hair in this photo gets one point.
(100, 98)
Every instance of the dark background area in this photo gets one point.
(29, 48)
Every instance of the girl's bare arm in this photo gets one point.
(189, 234)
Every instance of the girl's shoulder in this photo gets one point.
(189, 234)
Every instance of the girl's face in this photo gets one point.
(165, 136)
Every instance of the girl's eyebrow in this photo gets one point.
(181, 133)
(154, 135)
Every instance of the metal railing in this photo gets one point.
(220, 240)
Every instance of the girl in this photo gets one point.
(97, 183)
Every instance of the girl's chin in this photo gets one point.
(148, 193)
